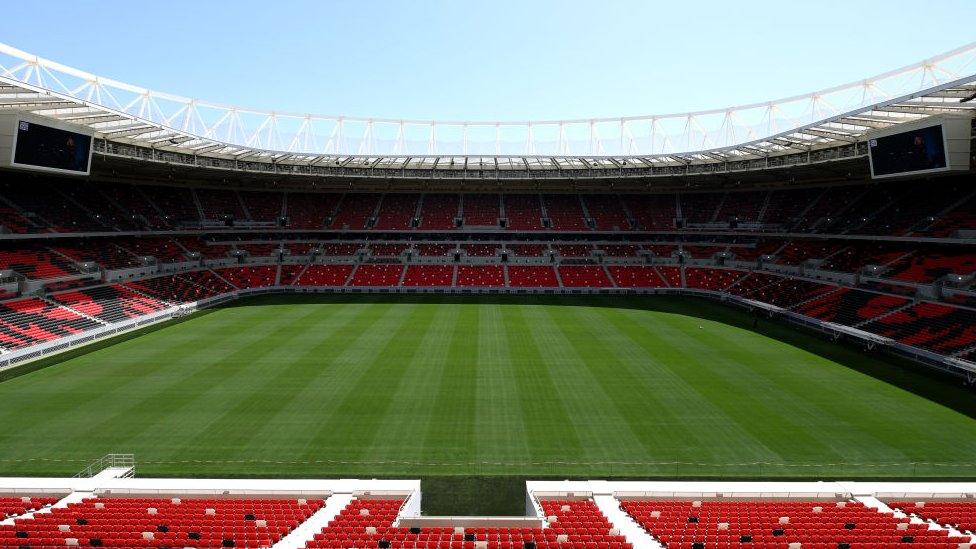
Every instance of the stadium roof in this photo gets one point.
(845, 114)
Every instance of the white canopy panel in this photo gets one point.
(124, 113)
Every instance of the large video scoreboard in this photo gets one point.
(32, 142)
(931, 145)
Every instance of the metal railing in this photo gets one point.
(122, 461)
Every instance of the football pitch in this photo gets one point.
(371, 385)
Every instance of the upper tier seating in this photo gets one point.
(577, 524)
(157, 522)
(397, 211)
(701, 207)
(133, 202)
(957, 514)
(785, 206)
(42, 202)
(92, 202)
(754, 524)
(310, 210)
(355, 211)
(565, 212)
(652, 212)
(429, 275)
(35, 204)
(439, 211)
(264, 207)
(13, 221)
(30, 321)
(112, 303)
(607, 212)
(523, 211)
(827, 208)
(481, 210)
(219, 203)
(742, 206)
(176, 204)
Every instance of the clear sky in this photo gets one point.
(492, 60)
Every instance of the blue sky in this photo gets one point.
(497, 60)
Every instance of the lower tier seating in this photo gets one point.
(754, 524)
(429, 275)
(636, 276)
(324, 275)
(112, 303)
(13, 506)
(711, 279)
(573, 524)
(481, 275)
(532, 276)
(960, 515)
(381, 274)
(933, 326)
(249, 277)
(30, 321)
(584, 276)
(157, 522)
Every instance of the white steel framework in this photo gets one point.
(125, 113)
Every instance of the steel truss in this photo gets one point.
(829, 118)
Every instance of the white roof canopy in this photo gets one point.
(125, 113)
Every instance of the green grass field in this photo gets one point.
(382, 386)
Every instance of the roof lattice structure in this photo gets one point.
(124, 113)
